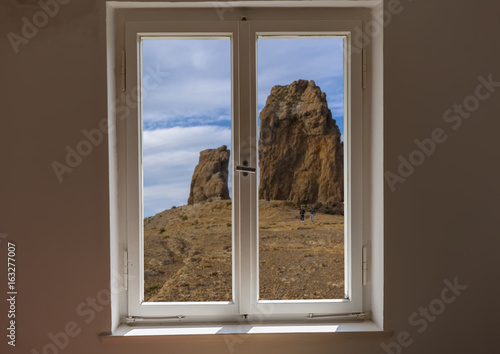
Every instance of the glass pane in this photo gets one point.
(301, 168)
(186, 142)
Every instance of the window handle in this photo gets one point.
(245, 169)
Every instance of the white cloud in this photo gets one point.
(188, 98)
(196, 79)
(155, 197)
(282, 61)
(169, 158)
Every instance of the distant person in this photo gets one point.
(302, 213)
(312, 211)
(267, 199)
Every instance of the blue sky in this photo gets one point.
(189, 110)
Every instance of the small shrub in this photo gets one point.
(174, 207)
(228, 224)
(184, 217)
(162, 230)
(154, 287)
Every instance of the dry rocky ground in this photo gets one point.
(187, 253)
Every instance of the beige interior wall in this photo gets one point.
(440, 223)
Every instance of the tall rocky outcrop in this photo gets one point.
(210, 176)
(300, 153)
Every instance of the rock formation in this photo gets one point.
(300, 153)
(210, 176)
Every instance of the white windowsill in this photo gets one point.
(125, 333)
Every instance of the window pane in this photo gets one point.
(186, 142)
(301, 177)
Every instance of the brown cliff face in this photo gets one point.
(209, 181)
(300, 153)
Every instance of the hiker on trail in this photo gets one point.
(312, 211)
(302, 213)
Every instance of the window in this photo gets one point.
(240, 95)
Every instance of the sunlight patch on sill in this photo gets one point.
(129, 333)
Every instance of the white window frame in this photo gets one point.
(125, 176)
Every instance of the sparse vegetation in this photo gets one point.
(296, 259)
(162, 230)
(184, 217)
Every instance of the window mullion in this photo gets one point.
(245, 154)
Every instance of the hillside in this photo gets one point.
(187, 253)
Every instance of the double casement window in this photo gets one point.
(239, 167)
